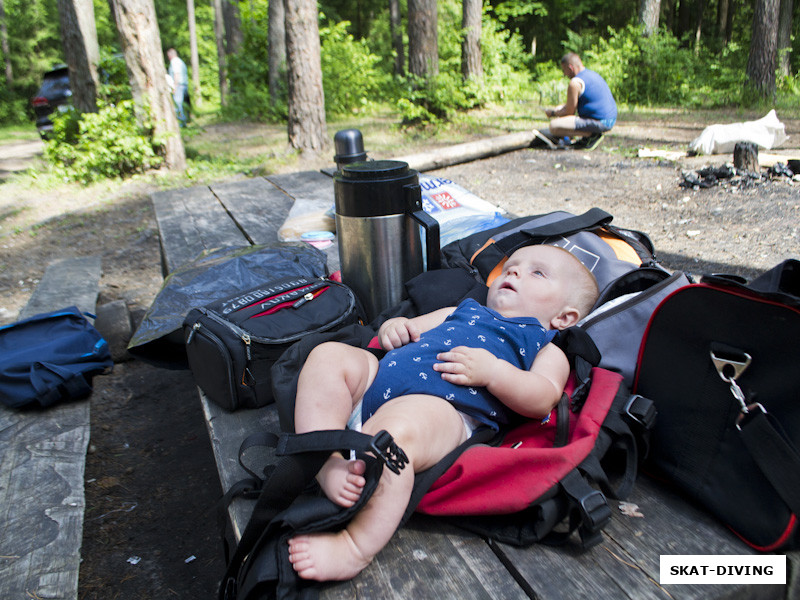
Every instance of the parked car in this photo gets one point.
(55, 94)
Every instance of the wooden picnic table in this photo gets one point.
(428, 558)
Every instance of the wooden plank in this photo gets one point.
(569, 573)
(672, 525)
(42, 500)
(257, 206)
(626, 564)
(66, 282)
(426, 559)
(227, 431)
(261, 207)
(191, 221)
(306, 185)
(42, 462)
(313, 196)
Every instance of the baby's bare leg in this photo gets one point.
(333, 379)
(427, 429)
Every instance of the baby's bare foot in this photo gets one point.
(326, 556)
(342, 480)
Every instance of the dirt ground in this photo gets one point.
(151, 483)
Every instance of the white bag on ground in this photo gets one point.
(767, 133)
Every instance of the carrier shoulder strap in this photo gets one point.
(591, 219)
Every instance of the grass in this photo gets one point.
(14, 133)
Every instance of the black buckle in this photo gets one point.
(230, 589)
(645, 416)
(384, 448)
(595, 510)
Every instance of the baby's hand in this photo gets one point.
(467, 366)
(397, 332)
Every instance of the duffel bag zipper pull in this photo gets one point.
(195, 327)
(306, 297)
(246, 340)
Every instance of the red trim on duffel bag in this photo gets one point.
(777, 544)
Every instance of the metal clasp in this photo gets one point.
(730, 367)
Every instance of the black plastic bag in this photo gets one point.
(211, 276)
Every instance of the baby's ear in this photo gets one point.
(566, 318)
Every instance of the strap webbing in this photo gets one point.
(777, 458)
(592, 218)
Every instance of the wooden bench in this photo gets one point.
(42, 460)
(427, 558)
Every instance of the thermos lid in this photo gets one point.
(378, 170)
(349, 147)
(374, 188)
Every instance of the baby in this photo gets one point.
(446, 373)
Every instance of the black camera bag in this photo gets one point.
(232, 344)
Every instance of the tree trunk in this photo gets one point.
(5, 47)
(233, 26)
(471, 59)
(763, 48)
(396, 27)
(729, 21)
(722, 19)
(194, 57)
(222, 61)
(700, 7)
(306, 122)
(785, 39)
(649, 13)
(684, 17)
(79, 36)
(276, 38)
(669, 14)
(423, 44)
(141, 45)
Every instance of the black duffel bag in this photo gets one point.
(232, 343)
(720, 361)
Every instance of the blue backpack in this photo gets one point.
(49, 358)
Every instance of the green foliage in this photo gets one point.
(113, 75)
(506, 64)
(248, 71)
(437, 98)
(351, 73)
(13, 110)
(505, 71)
(92, 146)
(655, 70)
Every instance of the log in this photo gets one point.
(461, 153)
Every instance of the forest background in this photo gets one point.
(679, 53)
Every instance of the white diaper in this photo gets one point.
(354, 422)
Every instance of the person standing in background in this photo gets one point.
(180, 84)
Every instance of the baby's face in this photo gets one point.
(534, 283)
